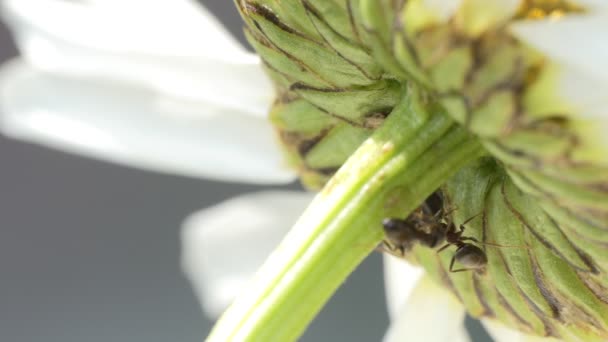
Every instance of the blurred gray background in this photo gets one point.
(89, 251)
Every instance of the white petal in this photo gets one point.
(138, 127)
(400, 277)
(576, 40)
(595, 5)
(431, 314)
(585, 93)
(172, 46)
(501, 333)
(460, 335)
(224, 245)
(443, 9)
(160, 27)
(477, 16)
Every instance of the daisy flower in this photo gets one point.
(497, 68)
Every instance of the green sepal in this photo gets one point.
(541, 276)
(360, 106)
(300, 116)
(336, 146)
(349, 50)
(336, 16)
(284, 69)
(378, 21)
(317, 56)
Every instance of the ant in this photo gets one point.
(467, 254)
(429, 230)
(421, 226)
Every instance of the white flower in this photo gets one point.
(423, 309)
(183, 98)
(224, 245)
(186, 98)
(106, 80)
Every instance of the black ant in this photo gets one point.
(467, 254)
(429, 230)
(422, 226)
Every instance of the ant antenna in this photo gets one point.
(493, 244)
(469, 220)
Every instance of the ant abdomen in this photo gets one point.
(471, 257)
(398, 234)
(402, 234)
(395, 229)
(424, 226)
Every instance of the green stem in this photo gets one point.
(408, 158)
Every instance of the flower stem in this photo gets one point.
(409, 157)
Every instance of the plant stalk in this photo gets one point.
(415, 151)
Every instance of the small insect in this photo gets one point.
(467, 254)
(401, 234)
(422, 226)
(430, 229)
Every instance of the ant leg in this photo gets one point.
(469, 220)
(462, 227)
(452, 263)
(470, 238)
(447, 212)
(383, 247)
(426, 209)
(443, 248)
(386, 245)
